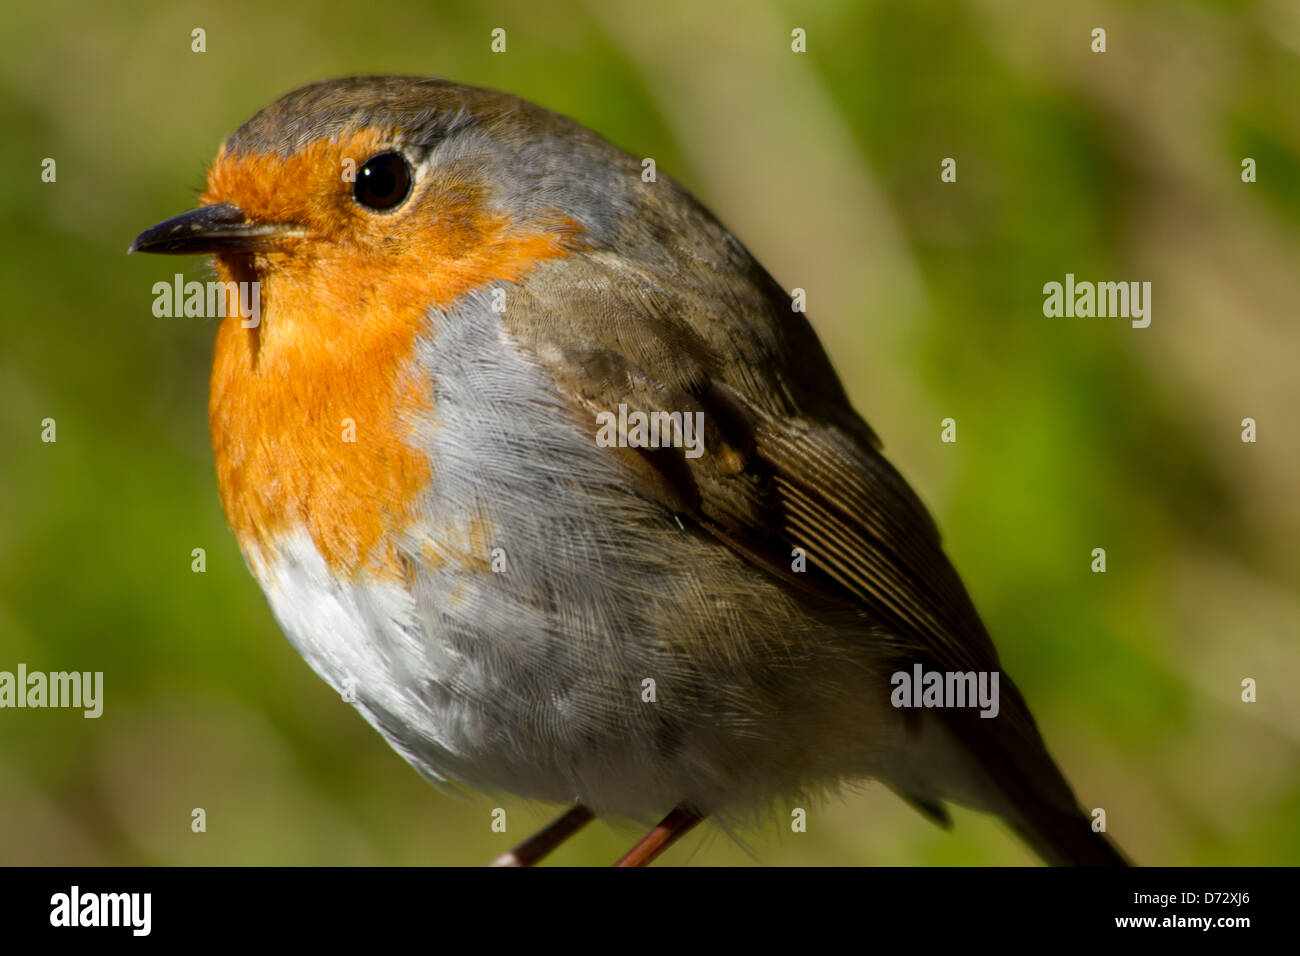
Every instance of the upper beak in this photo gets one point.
(218, 228)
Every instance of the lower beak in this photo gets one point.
(218, 228)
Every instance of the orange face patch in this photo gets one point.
(310, 410)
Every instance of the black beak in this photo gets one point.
(218, 228)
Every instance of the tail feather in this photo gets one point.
(1065, 839)
(1029, 790)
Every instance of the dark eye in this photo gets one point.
(383, 182)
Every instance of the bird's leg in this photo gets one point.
(546, 840)
(674, 826)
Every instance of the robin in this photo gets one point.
(539, 467)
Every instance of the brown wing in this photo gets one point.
(788, 465)
(787, 462)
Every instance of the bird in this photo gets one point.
(539, 468)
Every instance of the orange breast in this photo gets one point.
(332, 358)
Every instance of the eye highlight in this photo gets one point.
(383, 183)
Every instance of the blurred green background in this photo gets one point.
(1072, 433)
